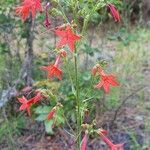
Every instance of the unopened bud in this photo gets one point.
(94, 70)
(63, 53)
(84, 126)
(59, 105)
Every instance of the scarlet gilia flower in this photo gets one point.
(37, 97)
(109, 142)
(68, 37)
(26, 89)
(26, 104)
(51, 113)
(84, 142)
(114, 12)
(47, 22)
(27, 7)
(107, 81)
(53, 69)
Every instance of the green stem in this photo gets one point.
(77, 88)
(68, 72)
(78, 115)
(62, 11)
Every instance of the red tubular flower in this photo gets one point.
(110, 144)
(106, 81)
(53, 69)
(23, 11)
(26, 89)
(37, 97)
(67, 37)
(114, 12)
(84, 142)
(28, 6)
(26, 104)
(47, 22)
(51, 114)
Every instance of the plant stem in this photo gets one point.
(78, 115)
(77, 88)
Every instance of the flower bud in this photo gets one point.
(94, 70)
(51, 114)
(63, 53)
(84, 142)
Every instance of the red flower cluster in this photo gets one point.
(111, 145)
(67, 37)
(26, 104)
(27, 7)
(103, 136)
(106, 80)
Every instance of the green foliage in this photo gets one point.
(11, 127)
(113, 99)
(89, 11)
(57, 120)
(4, 48)
(124, 36)
(135, 144)
(49, 126)
(89, 50)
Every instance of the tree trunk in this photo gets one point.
(26, 73)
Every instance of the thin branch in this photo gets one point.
(124, 101)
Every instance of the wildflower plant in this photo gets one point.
(70, 38)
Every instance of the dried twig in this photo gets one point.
(123, 103)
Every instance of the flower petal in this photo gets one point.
(84, 142)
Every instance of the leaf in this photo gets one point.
(86, 76)
(4, 48)
(89, 50)
(56, 12)
(42, 109)
(41, 117)
(59, 117)
(48, 126)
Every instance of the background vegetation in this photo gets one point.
(123, 48)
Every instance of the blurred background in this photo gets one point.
(124, 47)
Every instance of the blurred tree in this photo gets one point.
(14, 71)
